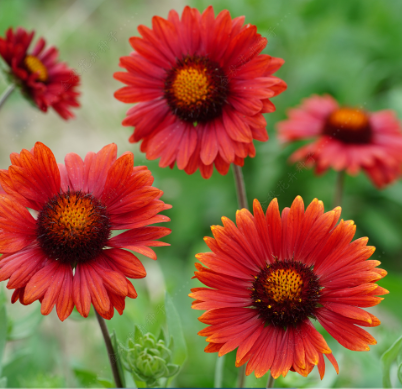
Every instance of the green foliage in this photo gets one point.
(86, 378)
(117, 359)
(42, 380)
(26, 326)
(393, 354)
(175, 331)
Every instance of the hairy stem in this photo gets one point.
(242, 376)
(112, 353)
(7, 93)
(271, 382)
(242, 199)
(240, 187)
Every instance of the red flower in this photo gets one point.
(202, 87)
(347, 139)
(44, 80)
(65, 256)
(272, 273)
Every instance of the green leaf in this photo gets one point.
(387, 359)
(130, 383)
(86, 378)
(3, 332)
(137, 334)
(172, 370)
(106, 383)
(26, 326)
(175, 331)
(138, 382)
(118, 357)
(3, 382)
(220, 362)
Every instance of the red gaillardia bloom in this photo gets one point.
(269, 275)
(347, 139)
(43, 80)
(202, 87)
(65, 256)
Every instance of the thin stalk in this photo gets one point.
(240, 187)
(110, 351)
(7, 93)
(242, 376)
(242, 199)
(271, 382)
(340, 179)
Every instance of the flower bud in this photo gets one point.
(148, 358)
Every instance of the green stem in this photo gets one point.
(7, 93)
(240, 187)
(242, 199)
(340, 179)
(112, 354)
(271, 382)
(242, 376)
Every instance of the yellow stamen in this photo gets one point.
(35, 65)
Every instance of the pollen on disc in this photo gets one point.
(73, 227)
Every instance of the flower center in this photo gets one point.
(349, 125)
(196, 89)
(35, 65)
(285, 293)
(73, 227)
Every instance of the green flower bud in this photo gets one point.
(148, 358)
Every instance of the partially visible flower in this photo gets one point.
(41, 77)
(346, 139)
(202, 87)
(272, 273)
(65, 256)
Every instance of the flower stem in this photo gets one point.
(240, 187)
(112, 354)
(242, 199)
(7, 93)
(271, 382)
(242, 376)
(340, 179)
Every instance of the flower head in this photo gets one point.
(346, 139)
(269, 276)
(43, 80)
(202, 87)
(65, 255)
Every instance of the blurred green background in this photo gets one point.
(350, 49)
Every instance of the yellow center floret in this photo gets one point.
(73, 218)
(191, 86)
(352, 119)
(35, 65)
(196, 89)
(284, 285)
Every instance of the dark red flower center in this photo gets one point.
(196, 89)
(73, 227)
(349, 125)
(285, 293)
(35, 65)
